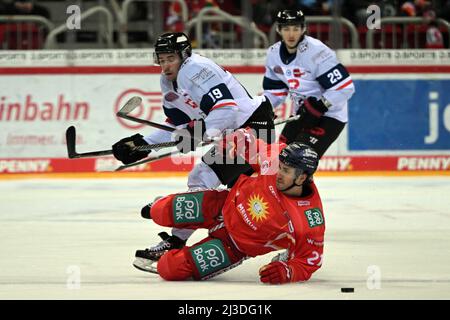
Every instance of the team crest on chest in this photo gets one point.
(303, 46)
(171, 96)
(258, 208)
(298, 73)
(278, 69)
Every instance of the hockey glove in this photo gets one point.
(125, 150)
(290, 131)
(190, 137)
(277, 272)
(311, 110)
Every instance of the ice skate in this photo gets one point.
(146, 260)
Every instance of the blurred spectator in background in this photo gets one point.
(174, 20)
(434, 38)
(263, 14)
(408, 9)
(424, 8)
(356, 10)
(211, 30)
(418, 8)
(23, 7)
(326, 7)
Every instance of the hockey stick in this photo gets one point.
(71, 148)
(169, 144)
(73, 154)
(287, 120)
(172, 143)
(161, 156)
(130, 106)
(136, 101)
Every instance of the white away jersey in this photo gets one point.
(313, 71)
(204, 90)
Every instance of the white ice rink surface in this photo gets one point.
(395, 229)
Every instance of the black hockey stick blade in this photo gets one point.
(70, 142)
(71, 137)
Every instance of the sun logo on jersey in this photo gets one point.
(258, 208)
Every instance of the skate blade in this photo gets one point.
(146, 265)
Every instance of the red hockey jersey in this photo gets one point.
(260, 219)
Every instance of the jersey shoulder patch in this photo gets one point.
(274, 47)
(197, 73)
(318, 51)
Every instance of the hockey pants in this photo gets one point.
(211, 256)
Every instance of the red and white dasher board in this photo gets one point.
(44, 92)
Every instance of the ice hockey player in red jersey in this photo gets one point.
(279, 208)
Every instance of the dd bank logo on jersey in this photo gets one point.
(210, 257)
(314, 217)
(150, 109)
(187, 208)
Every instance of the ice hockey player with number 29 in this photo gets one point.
(317, 82)
(280, 208)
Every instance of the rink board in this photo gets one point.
(327, 164)
(399, 117)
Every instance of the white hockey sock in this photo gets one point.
(183, 234)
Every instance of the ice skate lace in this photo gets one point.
(163, 245)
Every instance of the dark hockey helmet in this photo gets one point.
(173, 42)
(290, 17)
(301, 157)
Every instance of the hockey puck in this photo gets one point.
(347, 290)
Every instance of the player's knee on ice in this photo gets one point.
(174, 266)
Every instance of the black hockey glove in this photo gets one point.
(190, 137)
(290, 131)
(125, 150)
(311, 110)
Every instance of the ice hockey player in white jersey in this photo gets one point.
(201, 100)
(311, 74)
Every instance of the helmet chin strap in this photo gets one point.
(292, 185)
